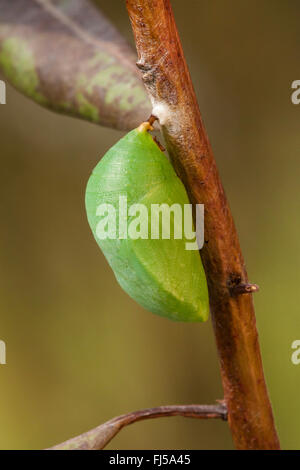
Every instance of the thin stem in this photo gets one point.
(167, 79)
(99, 437)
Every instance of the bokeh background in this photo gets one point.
(79, 350)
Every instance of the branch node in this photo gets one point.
(243, 288)
(152, 119)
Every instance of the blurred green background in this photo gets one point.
(79, 350)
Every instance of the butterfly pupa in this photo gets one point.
(160, 274)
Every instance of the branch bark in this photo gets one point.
(167, 79)
(99, 437)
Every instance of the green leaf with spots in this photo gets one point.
(17, 63)
(65, 55)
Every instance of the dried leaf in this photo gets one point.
(99, 437)
(96, 439)
(66, 56)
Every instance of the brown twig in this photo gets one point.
(152, 119)
(244, 288)
(167, 79)
(99, 437)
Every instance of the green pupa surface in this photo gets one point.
(160, 274)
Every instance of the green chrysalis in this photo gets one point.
(160, 274)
